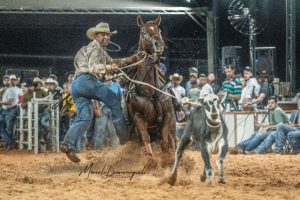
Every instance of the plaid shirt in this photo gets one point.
(92, 59)
(233, 86)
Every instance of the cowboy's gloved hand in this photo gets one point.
(114, 67)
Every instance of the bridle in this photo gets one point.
(148, 38)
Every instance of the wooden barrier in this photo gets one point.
(241, 125)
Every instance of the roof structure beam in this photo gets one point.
(108, 11)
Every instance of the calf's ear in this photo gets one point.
(200, 102)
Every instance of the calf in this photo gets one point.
(207, 127)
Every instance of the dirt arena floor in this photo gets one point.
(52, 176)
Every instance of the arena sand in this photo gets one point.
(52, 176)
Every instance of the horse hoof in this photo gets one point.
(171, 180)
(222, 181)
(202, 178)
(149, 150)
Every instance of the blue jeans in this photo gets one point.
(105, 130)
(254, 141)
(85, 88)
(7, 122)
(267, 143)
(44, 123)
(294, 140)
(282, 133)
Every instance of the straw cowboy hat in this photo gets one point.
(102, 27)
(176, 76)
(12, 76)
(37, 80)
(50, 80)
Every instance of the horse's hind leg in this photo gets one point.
(223, 148)
(142, 129)
(168, 133)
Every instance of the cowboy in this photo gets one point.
(179, 91)
(91, 63)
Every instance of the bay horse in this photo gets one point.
(149, 109)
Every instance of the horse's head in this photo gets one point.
(150, 37)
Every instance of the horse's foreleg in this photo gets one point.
(141, 126)
(168, 133)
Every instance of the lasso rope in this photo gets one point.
(184, 101)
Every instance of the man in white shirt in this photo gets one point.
(9, 112)
(206, 89)
(179, 91)
(252, 87)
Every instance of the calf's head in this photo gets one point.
(212, 107)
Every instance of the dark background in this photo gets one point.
(51, 41)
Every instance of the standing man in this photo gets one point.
(252, 89)
(91, 63)
(211, 79)
(193, 93)
(232, 88)
(9, 112)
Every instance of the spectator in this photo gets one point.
(211, 79)
(9, 111)
(194, 92)
(243, 81)
(251, 91)
(5, 86)
(289, 133)
(53, 89)
(162, 68)
(275, 116)
(188, 83)
(178, 90)
(70, 77)
(68, 111)
(232, 88)
(206, 89)
(105, 131)
(262, 99)
(35, 88)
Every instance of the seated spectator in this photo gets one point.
(275, 116)
(289, 133)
